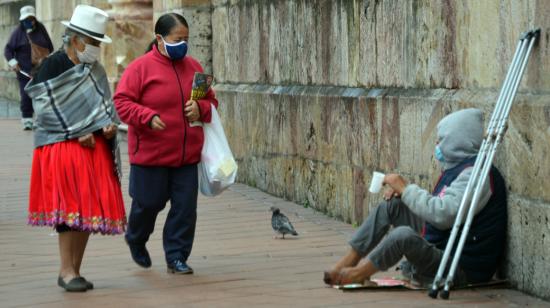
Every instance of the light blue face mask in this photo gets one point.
(176, 51)
(438, 154)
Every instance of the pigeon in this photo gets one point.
(280, 223)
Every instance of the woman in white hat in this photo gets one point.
(27, 46)
(75, 183)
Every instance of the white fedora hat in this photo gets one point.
(26, 11)
(89, 21)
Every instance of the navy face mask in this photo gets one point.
(176, 51)
(27, 24)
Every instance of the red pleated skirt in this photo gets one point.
(76, 186)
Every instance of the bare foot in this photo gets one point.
(68, 276)
(350, 275)
(352, 258)
(330, 276)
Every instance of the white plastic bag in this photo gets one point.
(217, 169)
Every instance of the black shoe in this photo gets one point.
(140, 255)
(89, 284)
(179, 267)
(77, 284)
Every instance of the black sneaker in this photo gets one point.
(179, 267)
(27, 123)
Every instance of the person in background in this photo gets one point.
(422, 221)
(75, 179)
(153, 98)
(27, 46)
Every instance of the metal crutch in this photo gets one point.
(495, 133)
(479, 160)
(496, 139)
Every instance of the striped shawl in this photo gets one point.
(74, 104)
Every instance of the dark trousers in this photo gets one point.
(26, 102)
(150, 189)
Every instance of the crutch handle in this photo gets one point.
(531, 34)
(525, 35)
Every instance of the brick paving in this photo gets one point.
(237, 262)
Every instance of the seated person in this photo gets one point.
(422, 222)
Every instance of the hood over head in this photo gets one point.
(460, 135)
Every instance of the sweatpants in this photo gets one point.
(385, 247)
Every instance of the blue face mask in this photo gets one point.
(27, 24)
(176, 51)
(438, 154)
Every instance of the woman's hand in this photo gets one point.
(109, 131)
(87, 141)
(192, 111)
(156, 123)
(396, 183)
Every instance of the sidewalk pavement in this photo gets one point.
(237, 262)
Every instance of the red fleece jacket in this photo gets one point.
(155, 85)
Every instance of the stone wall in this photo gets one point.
(198, 16)
(132, 32)
(317, 94)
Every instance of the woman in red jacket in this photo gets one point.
(153, 98)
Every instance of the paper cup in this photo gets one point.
(376, 182)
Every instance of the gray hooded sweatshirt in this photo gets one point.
(459, 135)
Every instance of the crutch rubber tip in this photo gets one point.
(445, 294)
(432, 293)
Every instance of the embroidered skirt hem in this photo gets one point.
(76, 186)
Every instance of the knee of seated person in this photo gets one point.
(392, 203)
(402, 233)
(388, 203)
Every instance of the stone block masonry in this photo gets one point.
(315, 95)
